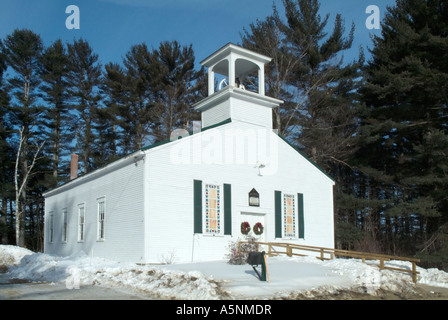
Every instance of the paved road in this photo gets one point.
(14, 290)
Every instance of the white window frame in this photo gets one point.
(101, 218)
(81, 223)
(51, 227)
(64, 225)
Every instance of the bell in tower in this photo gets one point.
(232, 100)
(235, 63)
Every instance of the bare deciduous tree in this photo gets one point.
(20, 182)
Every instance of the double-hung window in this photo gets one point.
(81, 222)
(101, 205)
(51, 231)
(64, 225)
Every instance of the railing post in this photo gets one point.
(288, 250)
(414, 272)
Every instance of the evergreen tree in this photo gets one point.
(308, 72)
(22, 50)
(404, 134)
(116, 99)
(265, 37)
(177, 86)
(323, 122)
(136, 97)
(84, 88)
(57, 126)
(153, 94)
(105, 148)
(321, 110)
(323, 119)
(6, 154)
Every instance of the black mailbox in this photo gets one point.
(254, 258)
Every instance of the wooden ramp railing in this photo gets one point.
(328, 253)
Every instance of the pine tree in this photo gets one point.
(22, 50)
(177, 86)
(308, 72)
(84, 88)
(405, 132)
(116, 99)
(134, 88)
(6, 157)
(323, 119)
(321, 110)
(152, 94)
(57, 126)
(105, 148)
(265, 37)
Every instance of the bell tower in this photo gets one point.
(232, 100)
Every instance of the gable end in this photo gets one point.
(308, 159)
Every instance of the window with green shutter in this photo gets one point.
(286, 229)
(197, 206)
(300, 209)
(227, 209)
(278, 213)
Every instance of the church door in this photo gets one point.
(255, 221)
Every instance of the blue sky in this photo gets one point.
(113, 26)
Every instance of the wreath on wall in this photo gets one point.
(258, 228)
(245, 227)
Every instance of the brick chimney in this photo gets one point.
(74, 166)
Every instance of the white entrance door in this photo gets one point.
(252, 219)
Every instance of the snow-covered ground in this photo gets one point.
(217, 279)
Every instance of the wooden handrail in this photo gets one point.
(289, 247)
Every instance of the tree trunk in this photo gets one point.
(20, 187)
(3, 224)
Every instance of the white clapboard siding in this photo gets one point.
(217, 114)
(169, 196)
(239, 105)
(121, 187)
(149, 197)
(252, 112)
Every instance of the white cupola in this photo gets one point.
(232, 100)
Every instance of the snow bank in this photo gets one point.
(433, 277)
(11, 255)
(368, 278)
(79, 270)
(216, 280)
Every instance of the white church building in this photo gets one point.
(187, 198)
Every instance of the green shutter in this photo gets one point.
(197, 200)
(227, 209)
(278, 214)
(301, 217)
